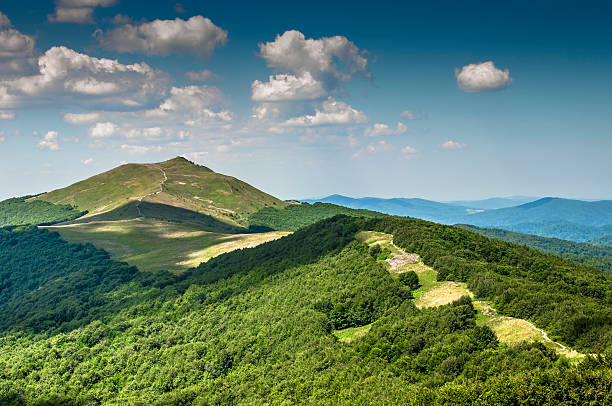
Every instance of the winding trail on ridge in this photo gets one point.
(161, 189)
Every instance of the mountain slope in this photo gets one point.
(176, 183)
(418, 208)
(494, 202)
(548, 209)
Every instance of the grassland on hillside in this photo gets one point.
(433, 293)
(154, 245)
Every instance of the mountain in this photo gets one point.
(174, 186)
(494, 202)
(170, 215)
(548, 209)
(568, 219)
(418, 208)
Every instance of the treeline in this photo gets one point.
(18, 211)
(572, 302)
(296, 216)
(49, 285)
(598, 256)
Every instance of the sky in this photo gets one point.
(437, 100)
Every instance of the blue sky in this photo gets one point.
(439, 100)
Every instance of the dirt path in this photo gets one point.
(161, 189)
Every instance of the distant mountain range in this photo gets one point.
(494, 202)
(568, 219)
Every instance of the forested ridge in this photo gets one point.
(255, 326)
(19, 211)
(598, 256)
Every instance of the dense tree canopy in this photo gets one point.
(256, 326)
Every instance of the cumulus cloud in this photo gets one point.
(140, 149)
(87, 161)
(287, 87)
(16, 49)
(331, 112)
(81, 118)
(482, 77)
(64, 72)
(7, 115)
(264, 111)
(409, 150)
(450, 144)
(197, 36)
(202, 76)
(315, 67)
(150, 133)
(77, 11)
(102, 130)
(379, 129)
(196, 105)
(49, 141)
(408, 114)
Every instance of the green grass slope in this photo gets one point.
(176, 183)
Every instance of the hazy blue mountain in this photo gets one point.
(605, 240)
(418, 208)
(575, 220)
(548, 210)
(494, 202)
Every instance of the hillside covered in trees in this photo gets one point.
(598, 256)
(19, 211)
(257, 325)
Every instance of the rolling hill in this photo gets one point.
(163, 189)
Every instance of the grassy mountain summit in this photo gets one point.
(125, 191)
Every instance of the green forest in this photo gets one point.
(598, 256)
(19, 211)
(256, 326)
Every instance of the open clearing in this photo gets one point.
(431, 293)
(153, 245)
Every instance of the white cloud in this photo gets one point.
(102, 130)
(140, 149)
(265, 111)
(292, 51)
(408, 114)
(7, 115)
(376, 147)
(81, 118)
(67, 73)
(197, 106)
(77, 11)
(319, 66)
(49, 141)
(450, 144)
(16, 49)
(202, 76)
(482, 77)
(331, 112)
(409, 150)
(197, 36)
(87, 161)
(379, 129)
(4, 20)
(144, 133)
(287, 87)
